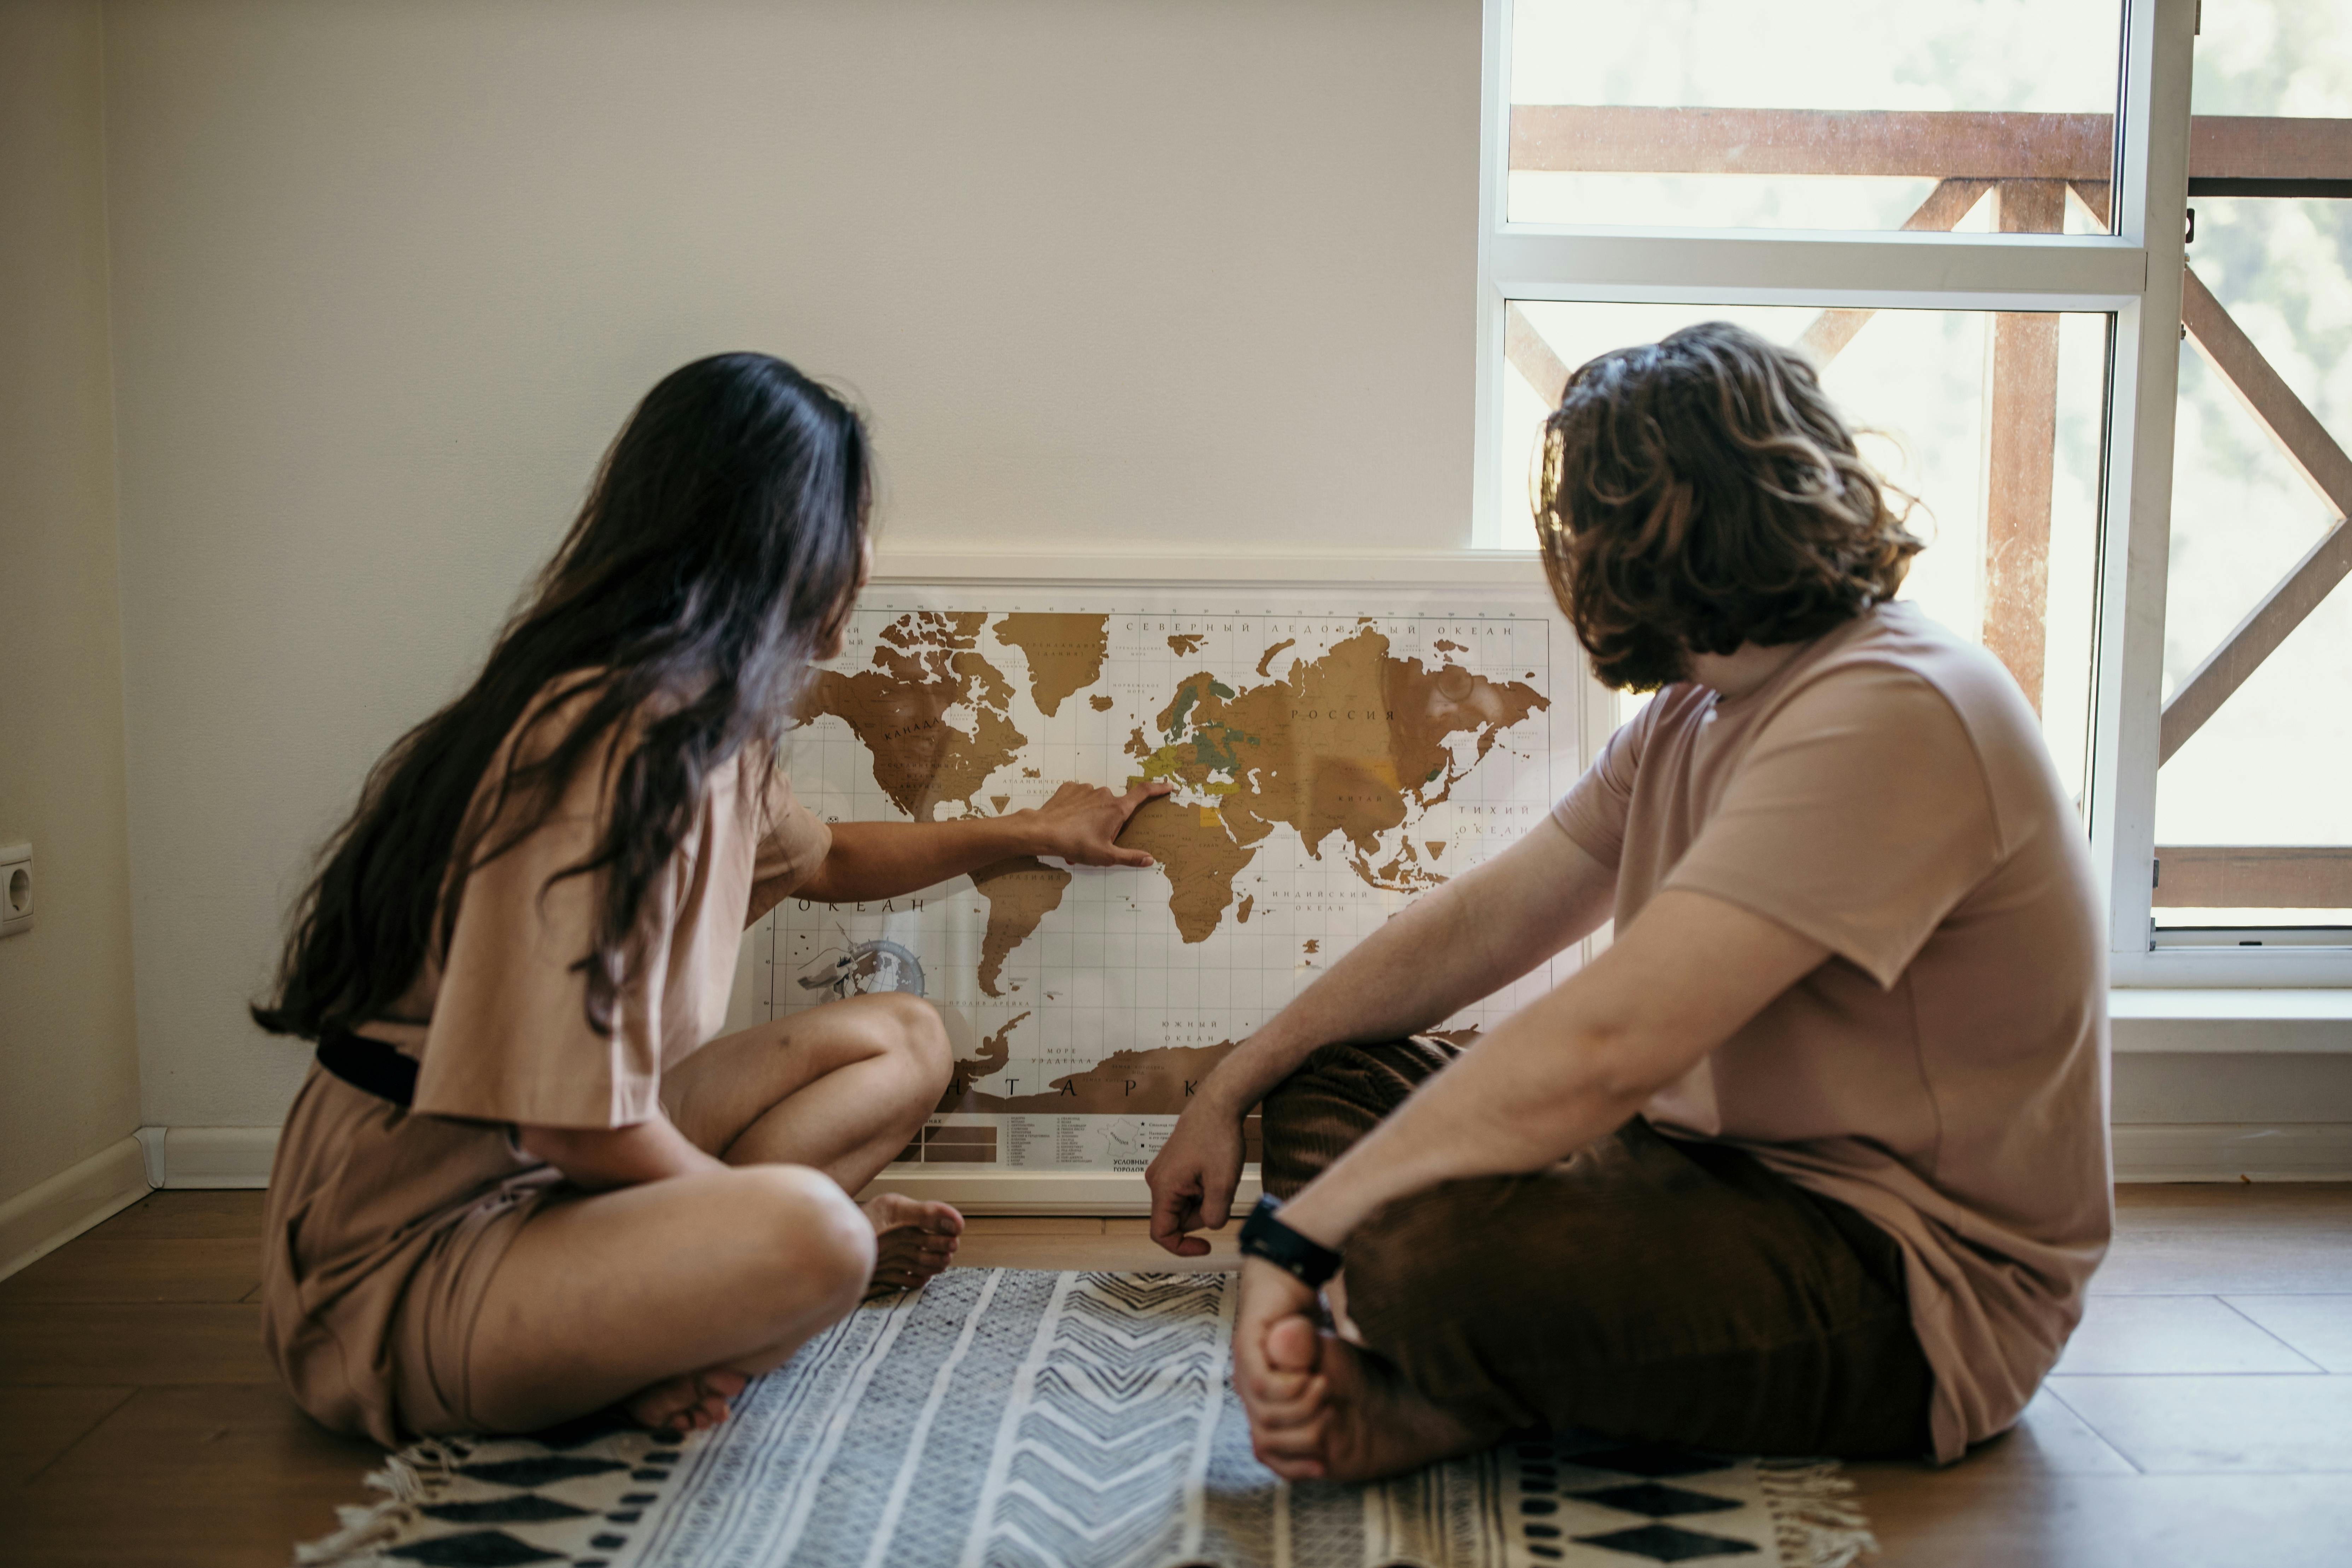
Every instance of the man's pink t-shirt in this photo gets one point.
(1945, 1070)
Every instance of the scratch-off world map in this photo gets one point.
(1329, 762)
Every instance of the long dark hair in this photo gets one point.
(718, 553)
(1702, 492)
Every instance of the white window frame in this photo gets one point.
(2134, 274)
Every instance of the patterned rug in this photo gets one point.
(1005, 1418)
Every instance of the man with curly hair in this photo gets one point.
(1814, 1158)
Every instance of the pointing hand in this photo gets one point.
(1082, 823)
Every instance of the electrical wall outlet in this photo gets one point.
(15, 888)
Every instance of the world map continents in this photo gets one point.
(1327, 767)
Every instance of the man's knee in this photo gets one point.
(803, 1235)
(1358, 1082)
(1340, 1093)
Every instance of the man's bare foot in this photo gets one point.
(913, 1240)
(1350, 1417)
(677, 1405)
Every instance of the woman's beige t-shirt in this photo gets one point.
(1944, 1072)
(509, 1039)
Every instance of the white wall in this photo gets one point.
(69, 1067)
(388, 275)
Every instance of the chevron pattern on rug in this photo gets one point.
(1003, 1418)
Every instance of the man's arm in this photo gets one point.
(1574, 1066)
(1463, 942)
(1467, 940)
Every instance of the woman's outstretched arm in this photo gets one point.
(873, 860)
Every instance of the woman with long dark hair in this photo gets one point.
(519, 1185)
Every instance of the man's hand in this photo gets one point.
(1081, 823)
(1193, 1175)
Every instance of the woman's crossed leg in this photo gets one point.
(668, 1295)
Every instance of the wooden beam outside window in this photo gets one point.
(2021, 451)
(2288, 155)
(2265, 394)
(2324, 466)
(1532, 357)
(2254, 878)
(1946, 204)
(1646, 141)
(2269, 155)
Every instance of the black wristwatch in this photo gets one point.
(1263, 1235)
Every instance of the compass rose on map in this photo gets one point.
(864, 968)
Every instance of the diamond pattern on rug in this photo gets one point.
(524, 1507)
(536, 1472)
(1668, 1544)
(999, 1418)
(480, 1549)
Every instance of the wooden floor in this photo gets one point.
(2203, 1416)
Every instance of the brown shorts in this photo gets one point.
(431, 1338)
(1650, 1288)
(382, 1231)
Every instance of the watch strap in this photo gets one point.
(1264, 1235)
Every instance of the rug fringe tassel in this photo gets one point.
(1814, 1519)
(406, 1479)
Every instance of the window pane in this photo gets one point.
(1992, 420)
(2274, 56)
(2254, 816)
(1857, 114)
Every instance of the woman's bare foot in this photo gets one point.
(691, 1402)
(913, 1240)
(1352, 1418)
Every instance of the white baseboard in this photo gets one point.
(240, 1157)
(2230, 1152)
(212, 1156)
(37, 1221)
(2184, 1152)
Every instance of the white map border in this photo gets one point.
(1576, 721)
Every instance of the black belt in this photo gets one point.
(369, 1065)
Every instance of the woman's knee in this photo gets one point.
(911, 1028)
(803, 1235)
